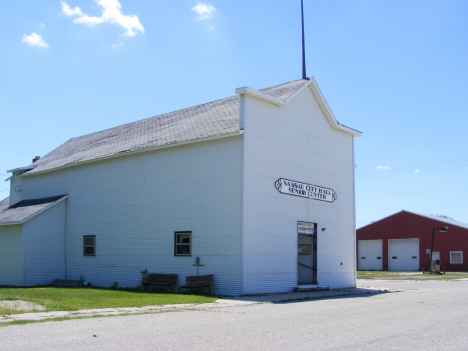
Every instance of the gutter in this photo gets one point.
(216, 137)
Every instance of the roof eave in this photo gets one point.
(298, 91)
(328, 112)
(381, 219)
(318, 95)
(434, 218)
(215, 137)
(19, 169)
(11, 223)
(259, 95)
(441, 219)
(24, 220)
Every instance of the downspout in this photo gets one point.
(241, 129)
(65, 240)
(354, 215)
(23, 250)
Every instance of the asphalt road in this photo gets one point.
(422, 316)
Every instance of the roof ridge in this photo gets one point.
(276, 86)
(435, 218)
(161, 115)
(184, 109)
(210, 119)
(440, 219)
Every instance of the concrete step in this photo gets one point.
(310, 287)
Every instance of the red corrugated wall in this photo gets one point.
(406, 225)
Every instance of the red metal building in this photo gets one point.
(402, 242)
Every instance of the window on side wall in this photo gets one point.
(456, 257)
(183, 244)
(89, 245)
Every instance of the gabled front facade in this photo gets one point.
(259, 187)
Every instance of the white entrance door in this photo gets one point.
(403, 255)
(370, 255)
(305, 259)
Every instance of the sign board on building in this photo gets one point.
(291, 187)
(305, 228)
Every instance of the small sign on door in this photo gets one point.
(304, 249)
(305, 228)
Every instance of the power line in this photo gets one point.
(416, 166)
(427, 167)
(410, 172)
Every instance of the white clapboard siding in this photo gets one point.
(135, 203)
(11, 258)
(44, 246)
(296, 142)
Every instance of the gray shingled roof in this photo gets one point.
(24, 209)
(211, 119)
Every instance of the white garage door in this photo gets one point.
(370, 255)
(403, 255)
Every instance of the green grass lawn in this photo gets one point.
(74, 299)
(381, 275)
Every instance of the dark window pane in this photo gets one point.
(183, 238)
(183, 244)
(183, 249)
(89, 245)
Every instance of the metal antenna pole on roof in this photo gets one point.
(304, 76)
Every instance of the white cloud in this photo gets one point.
(416, 171)
(88, 20)
(204, 11)
(382, 168)
(117, 46)
(66, 10)
(110, 14)
(34, 40)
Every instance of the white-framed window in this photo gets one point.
(89, 245)
(182, 243)
(456, 257)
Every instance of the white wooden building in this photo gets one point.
(258, 186)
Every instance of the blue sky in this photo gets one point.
(395, 70)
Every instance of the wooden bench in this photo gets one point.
(166, 280)
(199, 282)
